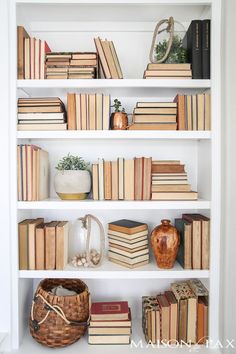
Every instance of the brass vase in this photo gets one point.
(119, 121)
(165, 241)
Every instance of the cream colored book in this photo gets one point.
(42, 127)
(114, 180)
(129, 179)
(174, 195)
(106, 112)
(43, 176)
(102, 339)
(92, 111)
(200, 111)
(99, 113)
(77, 112)
(95, 182)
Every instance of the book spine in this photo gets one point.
(206, 35)
(195, 45)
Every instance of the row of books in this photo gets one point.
(41, 114)
(43, 246)
(71, 65)
(170, 181)
(194, 246)
(110, 323)
(128, 243)
(122, 179)
(154, 116)
(168, 71)
(32, 173)
(30, 55)
(177, 315)
(194, 111)
(88, 111)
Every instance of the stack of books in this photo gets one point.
(170, 181)
(168, 71)
(122, 179)
(194, 111)
(30, 56)
(71, 65)
(194, 246)
(110, 323)
(43, 246)
(88, 111)
(128, 243)
(41, 114)
(109, 63)
(180, 314)
(32, 173)
(154, 116)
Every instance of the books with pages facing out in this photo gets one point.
(168, 71)
(194, 246)
(170, 181)
(61, 65)
(180, 314)
(128, 243)
(44, 113)
(88, 111)
(110, 323)
(32, 173)
(43, 245)
(154, 116)
(122, 179)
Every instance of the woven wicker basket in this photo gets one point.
(58, 321)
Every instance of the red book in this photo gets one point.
(43, 51)
(118, 310)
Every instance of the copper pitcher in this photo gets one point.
(118, 121)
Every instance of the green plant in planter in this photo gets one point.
(117, 106)
(178, 54)
(71, 162)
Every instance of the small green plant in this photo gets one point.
(178, 54)
(71, 162)
(117, 106)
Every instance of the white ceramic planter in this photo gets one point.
(70, 184)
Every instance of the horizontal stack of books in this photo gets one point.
(154, 116)
(30, 55)
(194, 111)
(170, 181)
(109, 63)
(128, 243)
(122, 179)
(110, 323)
(43, 245)
(71, 65)
(168, 71)
(194, 246)
(32, 173)
(41, 114)
(88, 111)
(180, 314)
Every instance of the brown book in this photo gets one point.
(189, 112)
(168, 73)
(138, 178)
(173, 316)
(206, 320)
(196, 239)
(153, 126)
(31, 242)
(128, 227)
(154, 66)
(62, 234)
(21, 35)
(116, 60)
(50, 245)
(183, 317)
(23, 244)
(171, 188)
(154, 118)
(92, 111)
(155, 110)
(114, 180)
(71, 116)
(84, 113)
(207, 125)
(109, 58)
(129, 179)
(83, 62)
(200, 321)
(99, 111)
(102, 58)
(175, 196)
(95, 181)
(78, 122)
(107, 180)
(147, 177)
(120, 163)
(165, 317)
(168, 168)
(181, 117)
(200, 111)
(40, 247)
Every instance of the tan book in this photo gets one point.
(109, 330)
(168, 73)
(71, 115)
(23, 244)
(36, 59)
(128, 265)
(21, 35)
(174, 196)
(116, 60)
(168, 77)
(31, 242)
(171, 188)
(116, 248)
(56, 77)
(154, 66)
(109, 58)
(34, 174)
(62, 237)
(24, 172)
(192, 320)
(40, 247)
(147, 167)
(165, 162)
(181, 111)
(120, 163)
(99, 112)
(154, 110)
(19, 174)
(106, 112)
(37, 101)
(92, 111)
(153, 126)
(196, 239)
(127, 246)
(43, 175)
(154, 118)
(78, 112)
(138, 178)
(107, 180)
(194, 112)
(84, 113)
(102, 58)
(83, 62)
(50, 245)
(183, 318)
(95, 181)
(27, 58)
(110, 339)
(84, 56)
(131, 238)
(168, 168)
(173, 316)
(156, 105)
(130, 254)
(114, 180)
(165, 317)
(189, 112)
(200, 111)
(42, 127)
(206, 318)
(29, 172)
(129, 179)
(207, 125)
(128, 260)
(128, 242)
(101, 179)
(169, 182)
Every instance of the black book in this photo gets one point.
(206, 48)
(193, 44)
(127, 226)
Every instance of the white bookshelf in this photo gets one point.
(71, 26)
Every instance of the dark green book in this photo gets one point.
(184, 256)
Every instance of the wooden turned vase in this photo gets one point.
(165, 244)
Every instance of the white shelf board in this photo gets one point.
(124, 2)
(109, 270)
(114, 205)
(105, 83)
(115, 134)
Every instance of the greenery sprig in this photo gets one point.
(117, 106)
(71, 162)
(178, 54)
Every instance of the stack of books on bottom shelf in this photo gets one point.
(168, 71)
(177, 315)
(110, 323)
(170, 181)
(41, 114)
(128, 243)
